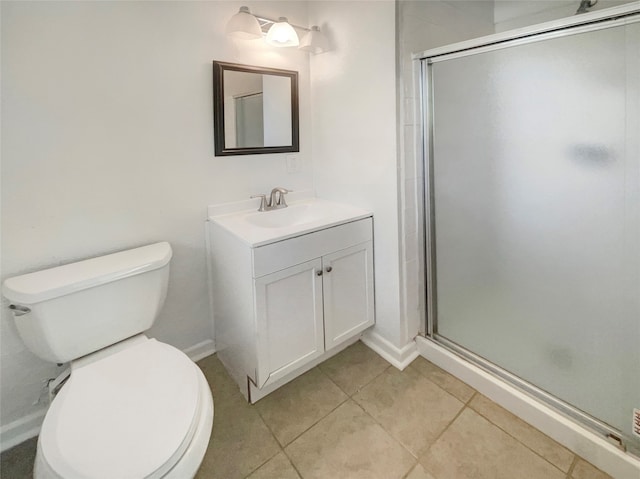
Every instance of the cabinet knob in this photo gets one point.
(328, 269)
(319, 272)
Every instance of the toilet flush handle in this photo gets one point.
(19, 310)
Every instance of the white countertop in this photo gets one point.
(304, 214)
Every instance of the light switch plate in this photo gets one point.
(292, 164)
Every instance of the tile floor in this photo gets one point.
(354, 416)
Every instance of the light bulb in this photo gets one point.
(282, 34)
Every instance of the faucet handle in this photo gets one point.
(263, 201)
(281, 202)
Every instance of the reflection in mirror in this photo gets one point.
(255, 110)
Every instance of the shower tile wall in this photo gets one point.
(424, 25)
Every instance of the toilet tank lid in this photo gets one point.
(50, 283)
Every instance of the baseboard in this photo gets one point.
(21, 429)
(567, 432)
(201, 350)
(29, 426)
(398, 357)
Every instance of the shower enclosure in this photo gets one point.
(532, 213)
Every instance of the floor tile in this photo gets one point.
(474, 448)
(419, 472)
(349, 444)
(17, 462)
(413, 409)
(523, 432)
(239, 444)
(295, 407)
(443, 379)
(278, 467)
(584, 470)
(223, 388)
(354, 367)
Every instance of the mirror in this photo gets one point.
(255, 110)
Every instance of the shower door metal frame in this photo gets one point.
(612, 17)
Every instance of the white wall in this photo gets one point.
(107, 144)
(354, 131)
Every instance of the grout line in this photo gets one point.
(467, 404)
(316, 422)
(387, 432)
(368, 382)
(391, 435)
(258, 467)
(347, 398)
(411, 470)
(447, 426)
(292, 463)
(518, 440)
(360, 387)
(475, 393)
(443, 388)
(437, 438)
(573, 465)
(279, 445)
(257, 411)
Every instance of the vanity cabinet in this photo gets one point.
(310, 308)
(282, 308)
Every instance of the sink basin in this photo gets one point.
(291, 215)
(300, 217)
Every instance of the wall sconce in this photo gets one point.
(279, 33)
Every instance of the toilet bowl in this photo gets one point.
(132, 408)
(141, 411)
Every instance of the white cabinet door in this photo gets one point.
(348, 293)
(289, 320)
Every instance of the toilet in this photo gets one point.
(133, 407)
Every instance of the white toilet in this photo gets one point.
(133, 407)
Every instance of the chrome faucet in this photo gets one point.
(276, 199)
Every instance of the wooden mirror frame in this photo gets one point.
(218, 110)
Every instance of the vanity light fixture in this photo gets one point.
(279, 33)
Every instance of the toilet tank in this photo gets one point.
(69, 311)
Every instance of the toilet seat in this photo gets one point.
(130, 413)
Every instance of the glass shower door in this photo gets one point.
(535, 191)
